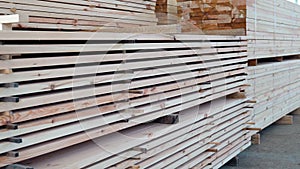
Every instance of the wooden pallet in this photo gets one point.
(69, 88)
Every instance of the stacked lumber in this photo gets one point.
(193, 142)
(273, 28)
(62, 92)
(275, 87)
(89, 15)
(166, 12)
(213, 17)
(274, 39)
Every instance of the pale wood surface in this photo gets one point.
(138, 80)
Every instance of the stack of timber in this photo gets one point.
(204, 138)
(273, 28)
(213, 16)
(275, 86)
(166, 12)
(90, 100)
(274, 48)
(89, 15)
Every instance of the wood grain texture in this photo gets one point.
(80, 15)
(72, 92)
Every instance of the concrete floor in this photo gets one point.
(279, 149)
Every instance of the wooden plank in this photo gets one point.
(31, 49)
(83, 58)
(146, 29)
(52, 35)
(9, 18)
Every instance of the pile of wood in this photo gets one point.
(128, 100)
(192, 143)
(274, 39)
(273, 28)
(166, 12)
(213, 16)
(275, 86)
(84, 100)
(80, 15)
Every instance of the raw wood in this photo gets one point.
(255, 139)
(124, 95)
(286, 120)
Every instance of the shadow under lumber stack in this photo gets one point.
(92, 15)
(90, 100)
